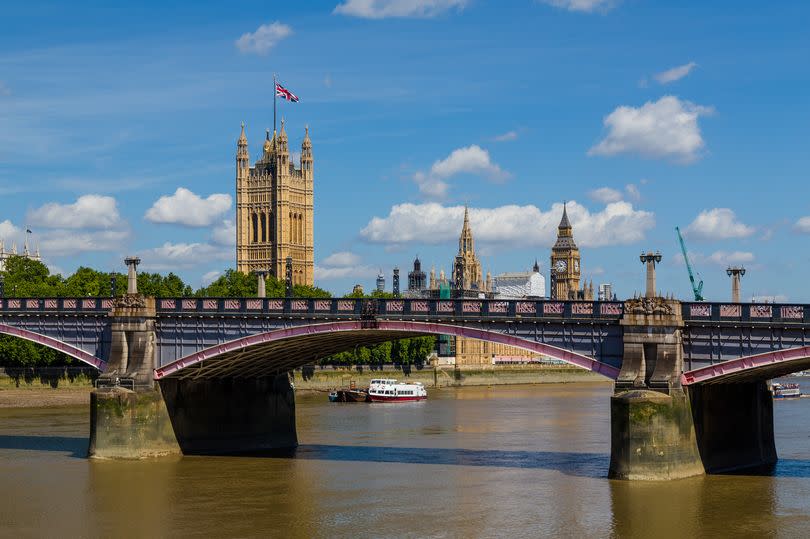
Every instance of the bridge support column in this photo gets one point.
(127, 424)
(734, 425)
(652, 433)
(231, 415)
(132, 350)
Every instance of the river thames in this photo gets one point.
(520, 461)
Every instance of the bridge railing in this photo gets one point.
(746, 312)
(56, 305)
(396, 307)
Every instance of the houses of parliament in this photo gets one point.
(274, 208)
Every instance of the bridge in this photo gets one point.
(211, 373)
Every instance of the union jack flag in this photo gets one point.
(281, 91)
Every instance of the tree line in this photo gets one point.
(23, 277)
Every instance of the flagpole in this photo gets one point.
(274, 103)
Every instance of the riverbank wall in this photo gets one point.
(324, 378)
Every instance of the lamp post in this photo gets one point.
(132, 274)
(735, 273)
(288, 278)
(651, 259)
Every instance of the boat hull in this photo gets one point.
(396, 398)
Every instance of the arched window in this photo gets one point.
(255, 223)
(264, 227)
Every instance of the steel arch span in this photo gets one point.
(297, 346)
(752, 368)
(55, 344)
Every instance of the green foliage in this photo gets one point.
(402, 351)
(157, 285)
(233, 284)
(16, 352)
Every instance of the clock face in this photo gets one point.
(560, 266)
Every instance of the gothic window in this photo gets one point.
(255, 222)
(264, 227)
(270, 229)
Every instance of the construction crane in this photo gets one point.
(696, 288)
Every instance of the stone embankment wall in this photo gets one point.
(326, 378)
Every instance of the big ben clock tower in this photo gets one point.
(565, 262)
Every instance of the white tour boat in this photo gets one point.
(388, 390)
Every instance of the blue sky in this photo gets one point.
(643, 115)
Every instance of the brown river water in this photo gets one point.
(520, 461)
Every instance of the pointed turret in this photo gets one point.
(432, 277)
(268, 144)
(306, 155)
(564, 223)
(565, 233)
(536, 267)
(465, 240)
(242, 155)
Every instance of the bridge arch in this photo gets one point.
(300, 345)
(55, 344)
(752, 368)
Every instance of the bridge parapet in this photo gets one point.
(56, 305)
(783, 313)
(395, 307)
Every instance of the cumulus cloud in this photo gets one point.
(187, 208)
(382, 9)
(224, 234)
(62, 242)
(664, 129)
(264, 38)
(341, 265)
(468, 160)
(585, 6)
(210, 277)
(432, 223)
(341, 258)
(10, 232)
(632, 192)
(676, 73)
(718, 224)
(802, 225)
(605, 195)
(506, 137)
(171, 256)
(89, 211)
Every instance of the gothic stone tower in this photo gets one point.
(274, 207)
(565, 261)
(466, 267)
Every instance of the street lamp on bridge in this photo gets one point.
(132, 273)
(651, 259)
(735, 273)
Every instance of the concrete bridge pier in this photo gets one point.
(231, 415)
(652, 431)
(734, 425)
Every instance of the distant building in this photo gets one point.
(380, 282)
(605, 292)
(565, 265)
(26, 253)
(417, 280)
(517, 285)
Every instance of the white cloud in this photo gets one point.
(676, 73)
(468, 160)
(264, 38)
(381, 9)
(187, 208)
(341, 258)
(802, 225)
(633, 192)
(89, 211)
(585, 6)
(225, 233)
(210, 277)
(432, 223)
(666, 129)
(171, 256)
(726, 258)
(9, 232)
(605, 195)
(507, 137)
(62, 242)
(718, 224)
(341, 265)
